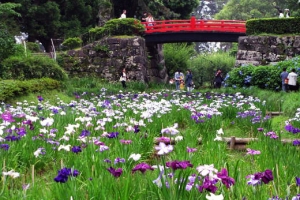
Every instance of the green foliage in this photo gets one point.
(245, 10)
(103, 48)
(8, 47)
(204, 66)
(30, 68)
(177, 56)
(160, 9)
(33, 47)
(9, 9)
(273, 25)
(14, 88)
(128, 26)
(72, 43)
(264, 77)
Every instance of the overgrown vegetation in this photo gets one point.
(71, 43)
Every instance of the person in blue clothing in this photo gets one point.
(177, 79)
(284, 74)
(189, 80)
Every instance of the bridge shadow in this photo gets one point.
(184, 36)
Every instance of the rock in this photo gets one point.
(265, 50)
(107, 57)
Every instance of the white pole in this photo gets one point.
(53, 49)
(24, 43)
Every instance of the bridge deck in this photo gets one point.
(195, 25)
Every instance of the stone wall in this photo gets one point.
(265, 50)
(107, 57)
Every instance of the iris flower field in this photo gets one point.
(146, 146)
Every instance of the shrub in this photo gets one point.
(204, 66)
(265, 77)
(13, 88)
(33, 47)
(239, 77)
(128, 26)
(273, 25)
(71, 43)
(30, 68)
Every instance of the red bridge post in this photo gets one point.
(193, 22)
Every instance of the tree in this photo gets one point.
(247, 9)
(43, 19)
(7, 13)
(160, 9)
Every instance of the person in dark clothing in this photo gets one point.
(218, 79)
(144, 17)
(189, 80)
(123, 78)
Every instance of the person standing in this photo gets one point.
(177, 79)
(284, 74)
(123, 15)
(123, 78)
(218, 79)
(149, 20)
(189, 80)
(144, 17)
(292, 80)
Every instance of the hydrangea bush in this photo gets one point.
(265, 77)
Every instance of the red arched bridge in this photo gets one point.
(194, 30)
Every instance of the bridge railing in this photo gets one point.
(194, 24)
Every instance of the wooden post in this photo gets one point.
(232, 143)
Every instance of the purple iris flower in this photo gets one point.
(165, 140)
(85, 133)
(126, 141)
(298, 181)
(252, 151)
(115, 172)
(292, 129)
(40, 98)
(107, 160)
(21, 131)
(191, 150)
(226, 180)
(260, 129)
(208, 185)
(112, 135)
(136, 128)
(142, 167)
(76, 149)
(55, 110)
(4, 146)
(12, 138)
(119, 160)
(296, 142)
(7, 116)
(64, 173)
(179, 164)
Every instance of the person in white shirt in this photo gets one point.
(123, 15)
(149, 19)
(292, 80)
